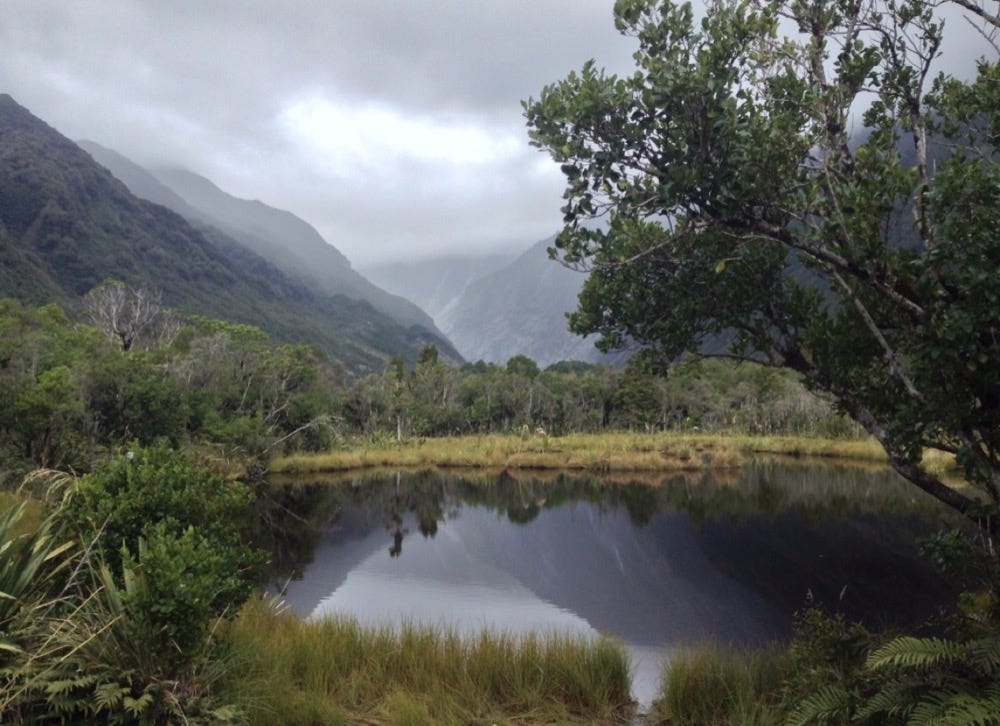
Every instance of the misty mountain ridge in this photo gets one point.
(513, 306)
(67, 224)
(436, 284)
(280, 237)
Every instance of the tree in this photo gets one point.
(128, 315)
(736, 205)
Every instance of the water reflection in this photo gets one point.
(657, 564)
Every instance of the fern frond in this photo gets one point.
(66, 685)
(108, 695)
(895, 700)
(984, 655)
(830, 704)
(910, 652)
(969, 709)
(932, 708)
(136, 706)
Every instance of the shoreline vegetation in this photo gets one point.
(595, 453)
(418, 674)
(261, 660)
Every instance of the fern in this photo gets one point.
(108, 696)
(136, 706)
(984, 654)
(67, 685)
(938, 681)
(957, 709)
(973, 710)
(830, 704)
(910, 652)
(895, 700)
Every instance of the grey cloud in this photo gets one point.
(203, 85)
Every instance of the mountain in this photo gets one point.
(281, 238)
(67, 224)
(521, 308)
(436, 284)
(508, 308)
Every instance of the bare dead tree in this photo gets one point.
(127, 315)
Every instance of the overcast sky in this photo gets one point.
(393, 126)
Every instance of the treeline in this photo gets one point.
(136, 372)
(435, 399)
(139, 374)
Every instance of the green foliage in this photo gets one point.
(827, 668)
(174, 590)
(30, 568)
(118, 624)
(936, 680)
(435, 399)
(835, 673)
(114, 673)
(68, 395)
(158, 493)
(737, 210)
(842, 674)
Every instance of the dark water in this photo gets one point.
(657, 564)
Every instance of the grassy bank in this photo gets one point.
(335, 671)
(578, 452)
(711, 686)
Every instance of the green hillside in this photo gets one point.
(66, 224)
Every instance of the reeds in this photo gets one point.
(574, 452)
(712, 686)
(336, 671)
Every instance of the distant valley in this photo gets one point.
(494, 307)
(75, 214)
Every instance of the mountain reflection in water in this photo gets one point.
(687, 560)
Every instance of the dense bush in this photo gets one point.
(117, 625)
(131, 507)
(70, 395)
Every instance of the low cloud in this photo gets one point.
(393, 127)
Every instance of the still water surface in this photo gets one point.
(658, 565)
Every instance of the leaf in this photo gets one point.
(828, 703)
(910, 652)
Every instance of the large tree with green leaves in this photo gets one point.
(797, 178)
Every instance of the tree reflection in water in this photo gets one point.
(779, 529)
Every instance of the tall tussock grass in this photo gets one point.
(712, 686)
(588, 452)
(335, 671)
(604, 452)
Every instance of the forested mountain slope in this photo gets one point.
(66, 224)
(280, 237)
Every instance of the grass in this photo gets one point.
(607, 452)
(711, 686)
(335, 671)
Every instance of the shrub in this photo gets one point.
(126, 499)
(168, 533)
(160, 561)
